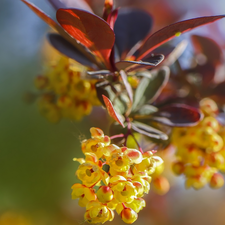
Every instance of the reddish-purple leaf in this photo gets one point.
(127, 85)
(178, 115)
(205, 73)
(57, 27)
(131, 26)
(43, 16)
(171, 31)
(109, 106)
(208, 47)
(112, 18)
(80, 4)
(90, 30)
(62, 45)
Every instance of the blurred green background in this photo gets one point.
(36, 167)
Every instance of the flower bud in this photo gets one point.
(104, 194)
(217, 181)
(161, 185)
(178, 168)
(128, 215)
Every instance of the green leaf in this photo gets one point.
(148, 130)
(147, 110)
(127, 85)
(150, 88)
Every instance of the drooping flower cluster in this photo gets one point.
(200, 150)
(64, 93)
(113, 178)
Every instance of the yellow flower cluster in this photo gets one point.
(64, 93)
(200, 150)
(113, 178)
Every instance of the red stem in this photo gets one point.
(117, 136)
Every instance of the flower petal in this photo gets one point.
(134, 155)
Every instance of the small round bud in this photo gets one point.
(217, 181)
(161, 185)
(208, 106)
(178, 168)
(128, 215)
(104, 194)
(96, 132)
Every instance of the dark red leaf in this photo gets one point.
(178, 115)
(112, 18)
(208, 47)
(69, 50)
(80, 4)
(90, 30)
(127, 85)
(131, 26)
(43, 16)
(117, 117)
(171, 31)
(205, 73)
(57, 27)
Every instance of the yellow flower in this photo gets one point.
(148, 164)
(105, 194)
(84, 194)
(128, 215)
(124, 191)
(124, 182)
(121, 159)
(72, 96)
(200, 149)
(198, 176)
(144, 179)
(137, 205)
(98, 213)
(99, 144)
(90, 172)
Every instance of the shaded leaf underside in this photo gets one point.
(177, 115)
(62, 45)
